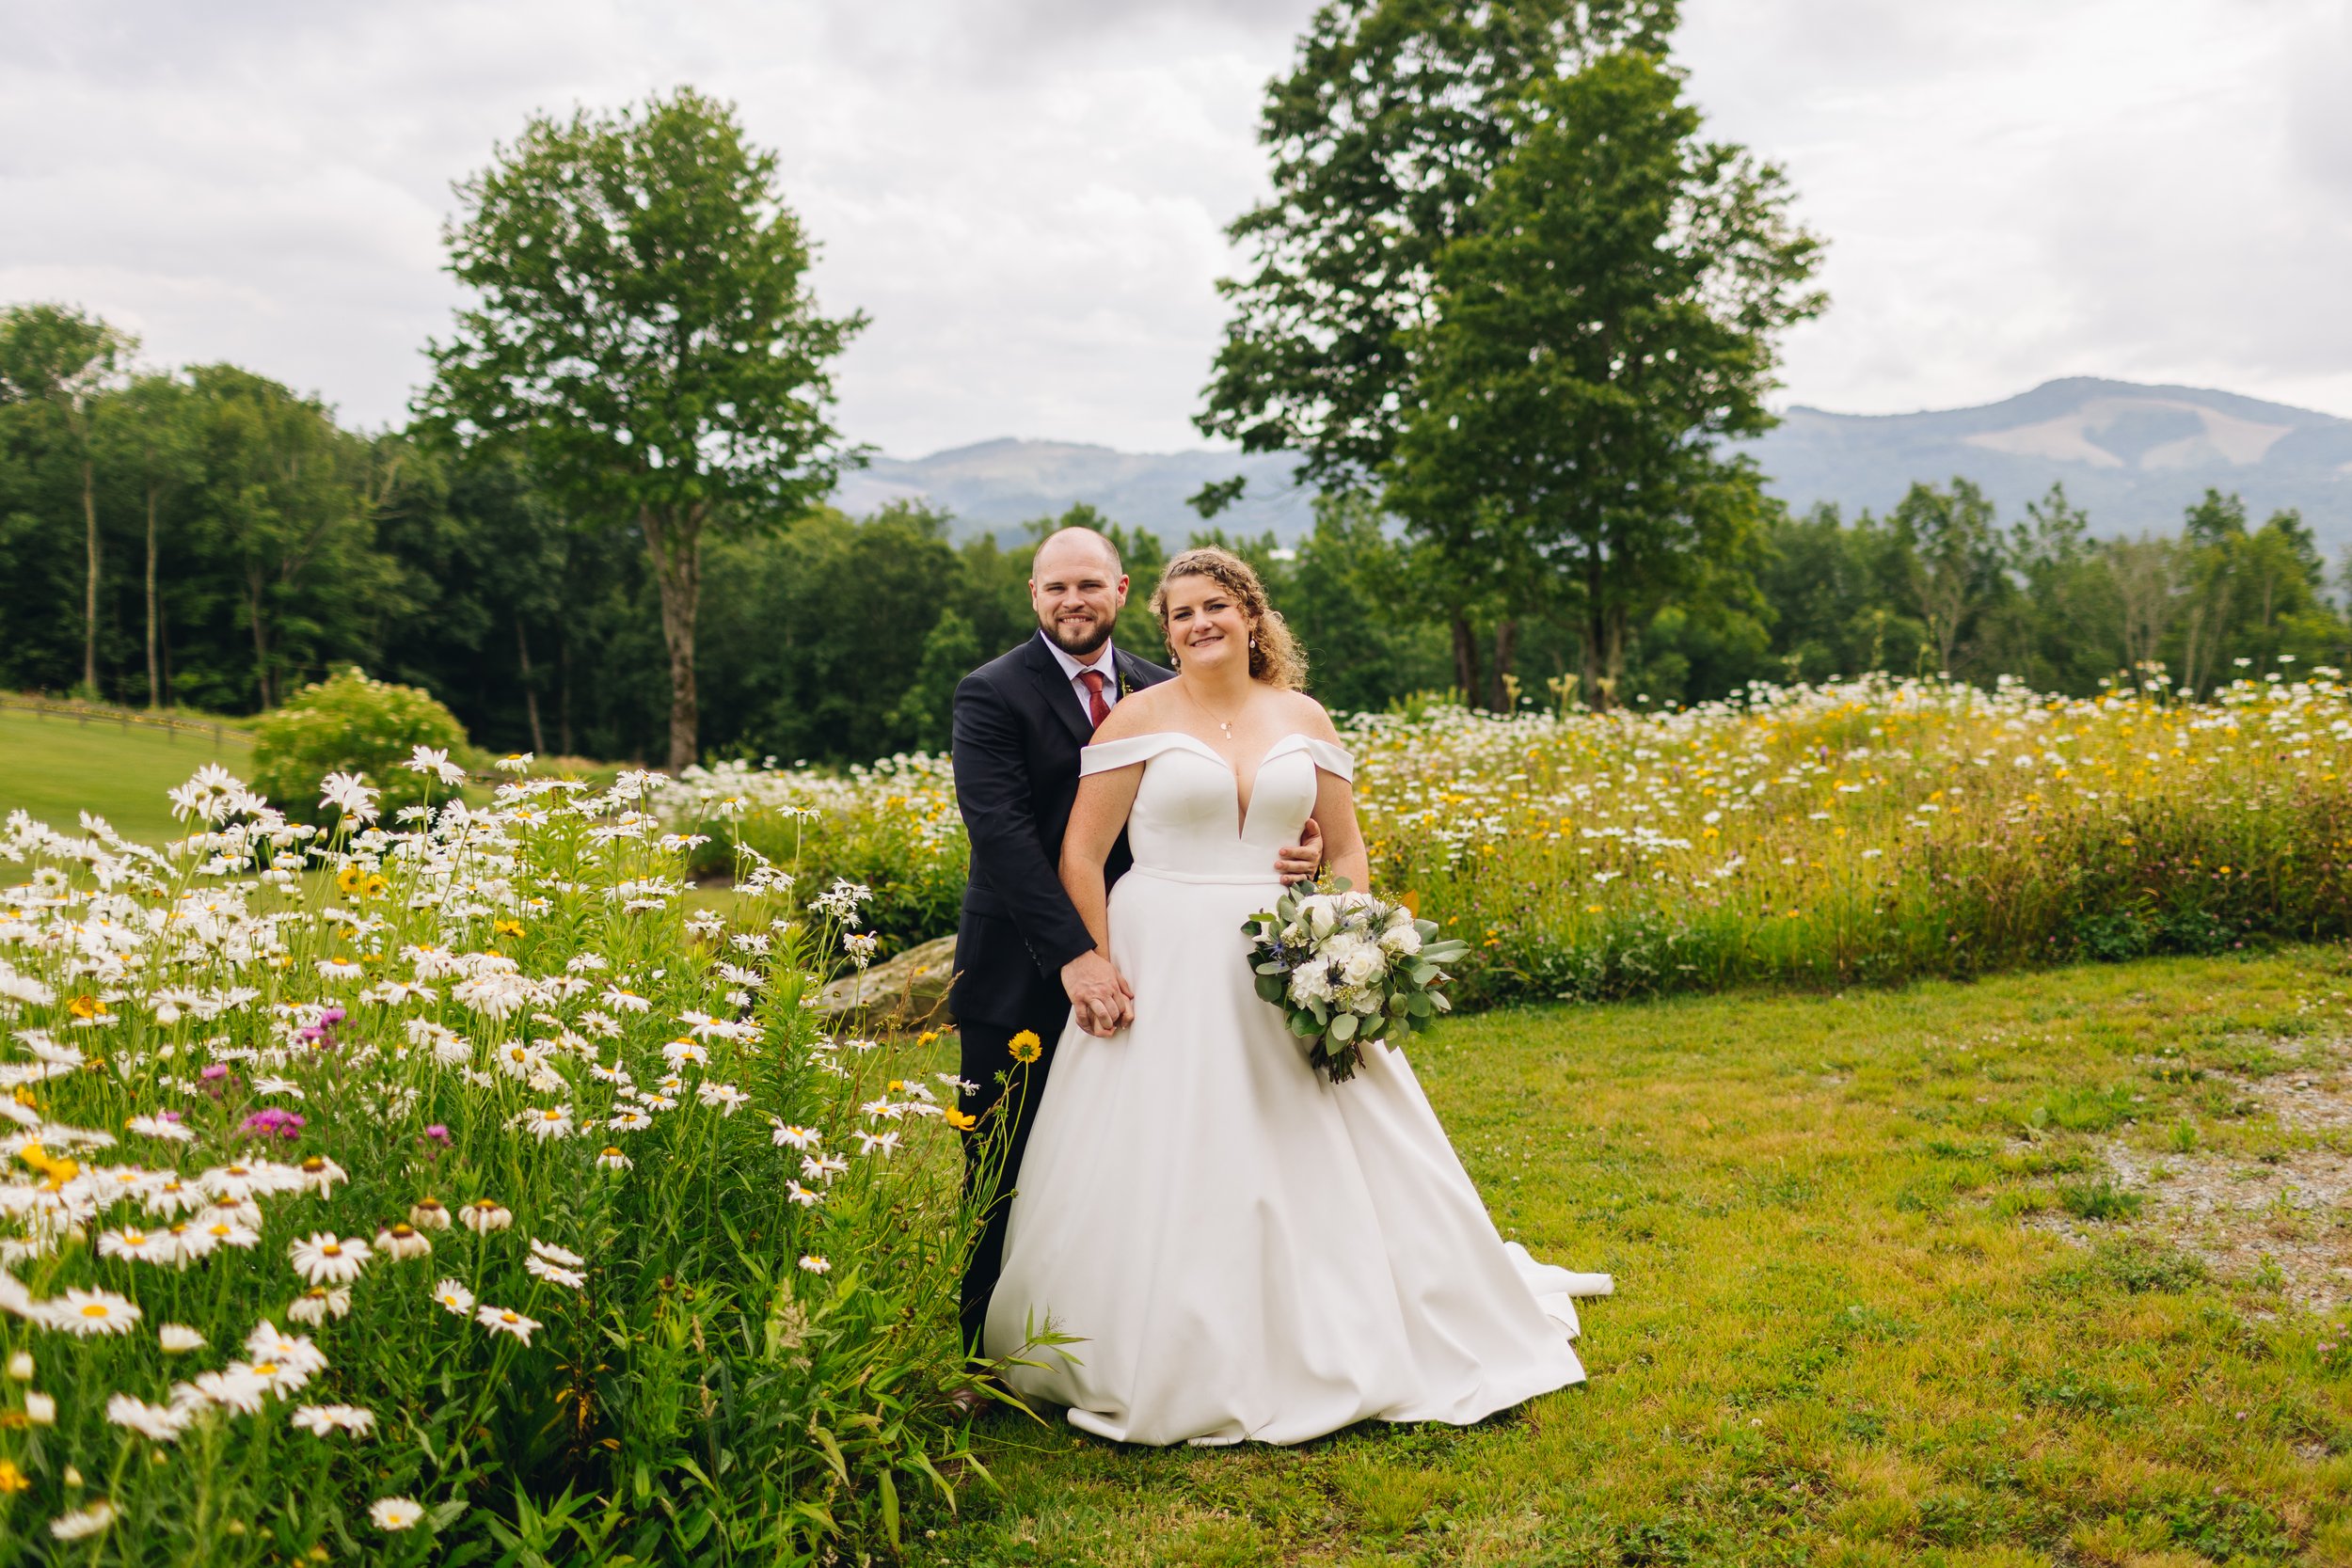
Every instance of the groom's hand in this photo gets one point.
(1298, 863)
(1100, 998)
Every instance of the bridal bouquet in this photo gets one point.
(1345, 968)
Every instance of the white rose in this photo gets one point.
(1402, 941)
(1364, 965)
(1319, 914)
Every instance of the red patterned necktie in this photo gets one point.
(1097, 709)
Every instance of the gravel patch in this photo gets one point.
(2287, 1215)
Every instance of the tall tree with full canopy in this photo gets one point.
(643, 336)
(1612, 316)
(61, 361)
(1384, 135)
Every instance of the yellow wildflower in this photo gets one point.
(1025, 1047)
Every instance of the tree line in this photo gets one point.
(1507, 304)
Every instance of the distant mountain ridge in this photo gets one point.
(2135, 457)
(994, 487)
(2132, 456)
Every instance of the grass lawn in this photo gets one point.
(56, 766)
(2030, 1271)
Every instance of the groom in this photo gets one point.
(1024, 961)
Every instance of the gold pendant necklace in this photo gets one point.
(1224, 724)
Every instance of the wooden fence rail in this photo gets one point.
(90, 713)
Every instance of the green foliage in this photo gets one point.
(1861, 833)
(350, 723)
(1613, 316)
(710, 1362)
(1383, 137)
(644, 336)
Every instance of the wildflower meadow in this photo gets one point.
(467, 1183)
(423, 1189)
(1869, 830)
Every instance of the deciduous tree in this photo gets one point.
(62, 360)
(643, 333)
(1614, 315)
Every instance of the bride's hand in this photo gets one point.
(1298, 863)
(1100, 997)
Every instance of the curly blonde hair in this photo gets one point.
(1274, 655)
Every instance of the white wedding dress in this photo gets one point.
(1244, 1251)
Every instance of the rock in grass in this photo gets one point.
(909, 991)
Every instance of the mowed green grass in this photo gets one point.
(1845, 1331)
(57, 766)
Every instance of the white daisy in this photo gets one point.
(322, 1420)
(268, 1342)
(83, 1522)
(179, 1339)
(394, 1514)
(613, 1159)
(320, 1303)
(429, 1213)
(547, 1121)
(539, 1268)
(143, 1247)
(815, 1264)
(403, 1241)
(484, 1216)
(234, 1387)
(554, 1254)
(725, 1096)
(162, 1423)
(322, 1260)
(453, 1296)
(87, 1313)
(505, 1320)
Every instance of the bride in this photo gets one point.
(1244, 1251)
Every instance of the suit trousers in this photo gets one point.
(1006, 1101)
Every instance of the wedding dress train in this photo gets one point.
(1244, 1251)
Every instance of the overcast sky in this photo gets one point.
(1028, 196)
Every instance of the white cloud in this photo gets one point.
(1028, 196)
(2014, 191)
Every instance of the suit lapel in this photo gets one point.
(1136, 672)
(1059, 694)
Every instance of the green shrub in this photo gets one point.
(349, 723)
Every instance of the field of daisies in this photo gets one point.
(450, 1187)
(1862, 831)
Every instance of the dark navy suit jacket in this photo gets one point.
(1019, 728)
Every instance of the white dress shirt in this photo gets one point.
(1100, 661)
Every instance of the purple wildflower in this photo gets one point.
(272, 1122)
